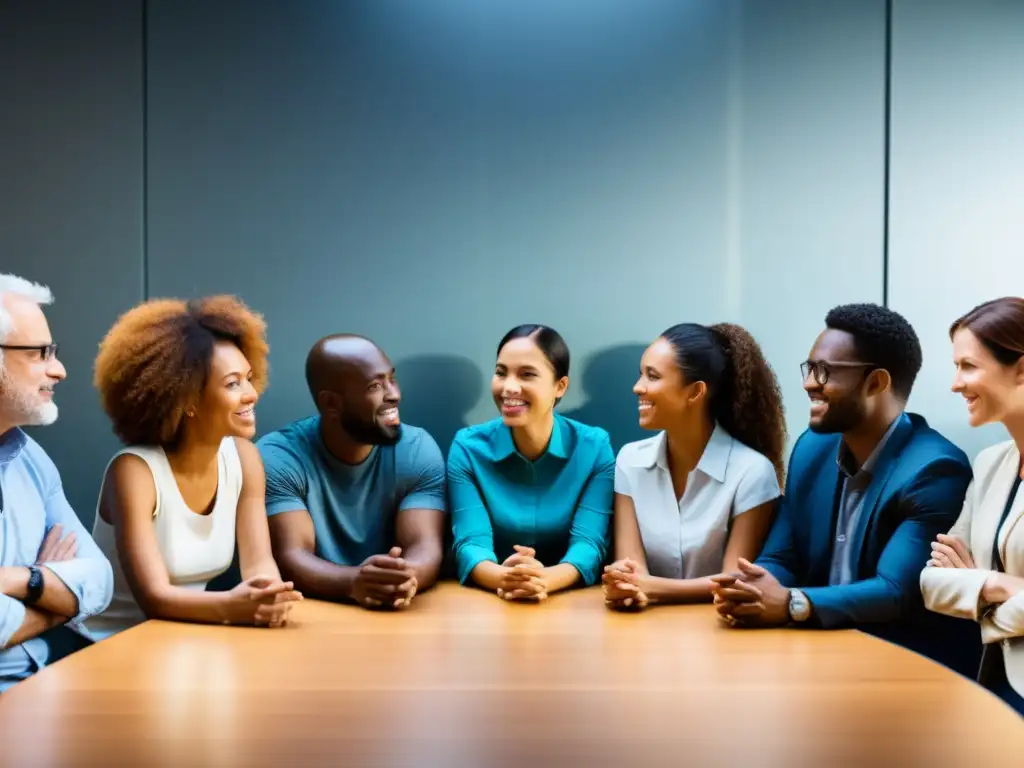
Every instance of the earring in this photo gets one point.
(191, 414)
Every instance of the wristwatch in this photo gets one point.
(799, 606)
(35, 585)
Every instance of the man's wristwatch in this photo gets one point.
(799, 606)
(35, 585)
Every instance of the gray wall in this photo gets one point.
(957, 216)
(71, 196)
(432, 174)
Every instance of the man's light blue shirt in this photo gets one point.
(34, 502)
(560, 504)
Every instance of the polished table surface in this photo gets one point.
(462, 678)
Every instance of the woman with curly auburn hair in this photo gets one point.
(179, 381)
(693, 500)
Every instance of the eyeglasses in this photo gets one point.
(822, 370)
(46, 351)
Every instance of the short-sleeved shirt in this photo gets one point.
(353, 507)
(686, 539)
(560, 504)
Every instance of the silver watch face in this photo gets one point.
(799, 608)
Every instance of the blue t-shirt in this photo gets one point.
(353, 508)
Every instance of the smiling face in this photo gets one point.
(992, 390)
(842, 403)
(524, 386)
(369, 413)
(27, 377)
(664, 397)
(228, 401)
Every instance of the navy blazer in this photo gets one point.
(917, 492)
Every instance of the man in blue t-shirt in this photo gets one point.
(356, 501)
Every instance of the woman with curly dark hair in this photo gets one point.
(693, 500)
(179, 381)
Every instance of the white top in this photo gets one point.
(195, 548)
(686, 539)
(957, 591)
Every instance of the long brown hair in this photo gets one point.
(745, 397)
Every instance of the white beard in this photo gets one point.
(42, 415)
(23, 409)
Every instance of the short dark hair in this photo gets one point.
(548, 340)
(999, 326)
(881, 337)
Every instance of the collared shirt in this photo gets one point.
(34, 502)
(560, 504)
(686, 539)
(851, 507)
(353, 507)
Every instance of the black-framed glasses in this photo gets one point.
(822, 370)
(46, 351)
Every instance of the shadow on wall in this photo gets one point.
(438, 391)
(608, 378)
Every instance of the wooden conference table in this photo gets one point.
(464, 679)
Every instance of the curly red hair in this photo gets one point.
(155, 362)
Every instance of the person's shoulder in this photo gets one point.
(413, 436)
(30, 449)
(745, 461)
(416, 445)
(33, 454)
(639, 453)
(293, 438)
(927, 444)
(290, 448)
(991, 460)
(477, 436)
(810, 443)
(586, 434)
(244, 449)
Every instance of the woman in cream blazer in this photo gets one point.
(977, 570)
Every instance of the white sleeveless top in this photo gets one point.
(195, 548)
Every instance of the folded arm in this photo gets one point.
(956, 591)
(56, 597)
(19, 624)
(73, 589)
(1004, 621)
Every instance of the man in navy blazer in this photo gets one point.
(869, 487)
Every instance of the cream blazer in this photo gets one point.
(957, 591)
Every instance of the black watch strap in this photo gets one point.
(35, 585)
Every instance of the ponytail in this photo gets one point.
(748, 400)
(744, 393)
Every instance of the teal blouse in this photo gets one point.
(560, 504)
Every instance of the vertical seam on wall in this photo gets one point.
(145, 152)
(886, 146)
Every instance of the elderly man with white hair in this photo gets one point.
(51, 571)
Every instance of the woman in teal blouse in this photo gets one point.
(531, 493)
